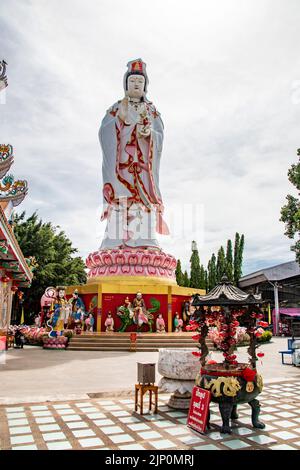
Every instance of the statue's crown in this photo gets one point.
(137, 65)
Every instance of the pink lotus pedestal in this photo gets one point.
(130, 263)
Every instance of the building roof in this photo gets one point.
(280, 272)
(225, 293)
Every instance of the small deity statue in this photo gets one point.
(109, 322)
(89, 323)
(186, 311)
(128, 305)
(160, 324)
(178, 323)
(37, 321)
(60, 310)
(78, 309)
(139, 308)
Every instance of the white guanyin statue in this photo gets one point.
(131, 138)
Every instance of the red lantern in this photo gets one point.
(196, 353)
(196, 337)
(263, 324)
(260, 355)
(5, 279)
(20, 295)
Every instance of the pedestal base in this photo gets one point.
(180, 401)
(128, 263)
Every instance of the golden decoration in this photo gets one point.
(231, 386)
(249, 387)
(259, 382)
(198, 380)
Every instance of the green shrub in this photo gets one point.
(265, 337)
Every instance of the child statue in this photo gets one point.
(178, 323)
(160, 324)
(109, 323)
(89, 323)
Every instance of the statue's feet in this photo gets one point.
(259, 425)
(225, 430)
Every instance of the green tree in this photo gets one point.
(221, 264)
(212, 272)
(238, 257)
(179, 273)
(54, 254)
(290, 212)
(195, 279)
(186, 281)
(202, 277)
(229, 261)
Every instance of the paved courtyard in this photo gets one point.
(34, 374)
(70, 400)
(112, 424)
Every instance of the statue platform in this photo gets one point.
(103, 294)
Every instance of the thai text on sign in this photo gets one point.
(199, 407)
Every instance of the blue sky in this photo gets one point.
(225, 77)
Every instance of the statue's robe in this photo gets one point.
(131, 195)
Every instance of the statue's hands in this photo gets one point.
(123, 109)
(144, 131)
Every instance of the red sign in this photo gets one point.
(198, 412)
(133, 337)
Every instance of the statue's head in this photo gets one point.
(139, 295)
(60, 292)
(136, 79)
(135, 86)
(75, 294)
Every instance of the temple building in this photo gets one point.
(15, 270)
(130, 267)
(280, 286)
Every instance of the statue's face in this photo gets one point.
(138, 296)
(61, 293)
(135, 86)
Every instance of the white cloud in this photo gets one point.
(223, 76)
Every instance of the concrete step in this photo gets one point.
(121, 342)
(139, 341)
(124, 348)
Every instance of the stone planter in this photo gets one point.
(179, 369)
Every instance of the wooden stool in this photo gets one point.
(144, 388)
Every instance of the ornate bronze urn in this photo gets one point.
(229, 382)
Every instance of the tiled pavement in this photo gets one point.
(111, 424)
